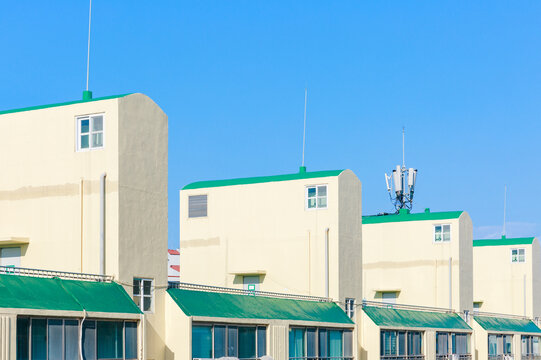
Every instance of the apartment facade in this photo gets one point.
(507, 276)
(296, 233)
(85, 191)
(422, 259)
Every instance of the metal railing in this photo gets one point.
(11, 270)
(322, 358)
(454, 357)
(404, 307)
(181, 285)
(501, 357)
(402, 357)
(531, 357)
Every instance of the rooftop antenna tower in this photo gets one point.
(504, 208)
(401, 183)
(87, 95)
(303, 168)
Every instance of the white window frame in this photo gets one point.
(442, 241)
(78, 120)
(142, 295)
(350, 307)
(518, 261)
(317, 197)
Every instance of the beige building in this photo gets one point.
(507, 276)
(84, 190)
(422, 259)
(297, 233)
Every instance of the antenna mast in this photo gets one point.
(304, 128)
(88, 49)
(401, 183)
(504, 207)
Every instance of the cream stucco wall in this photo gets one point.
(402, 256)
(50, 194)
(506, 287)
(264, 228)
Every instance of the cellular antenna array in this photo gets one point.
(401, 184)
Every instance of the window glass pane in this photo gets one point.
(23, 329)
(54, 339)
(262, 341)
(446, 232)
(97, 123)
(84, 142)
(535, 345)
(232, 335)
(147, 303)
(348, 343)
(131, 339)
(321, 202)
(508, 344)
(492, 345)
(39, 339)
(296, 343)
(136, 286)
(335, 343)
(442, 345)
(414, 343)
(246, 342)
(97, 140)
(322, 190)
(322, 343)
(219, 341)
(89, 340)
(110, 342)
(71, 339)
(201, 342)
(311, 341)
(147, 287)
(85, 126)
(311, 203)
(401, 343)
(311, 192)
(437, 233)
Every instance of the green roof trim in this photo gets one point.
(503, 241)
(406, 216)
(261, 179)
(499, 324)
(61, 104)
(389, 317)
(25, 292)
(224, 305)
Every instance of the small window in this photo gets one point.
(251, 282)
(350, 307)
(197, 206)
(477, 306)
(316, 197)
(518, 255)
(389, 297)
(143, 293)
(89, 132)
(10, 257)
(442, 233)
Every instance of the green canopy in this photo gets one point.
(223, 305)
(26, 292)
(415, 319)
(499, 324)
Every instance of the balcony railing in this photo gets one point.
(402, 357)
(11, 270)
(454, 357)
(501, 357)
(531, 357)
(322, 358)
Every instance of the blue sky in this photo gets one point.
(463, 77)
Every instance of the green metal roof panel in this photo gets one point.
(414, 319)
(503, 241)
(222, 305)
(500, 324)
(60, 104)
(261, 179)
(379, 219)
(27, 292)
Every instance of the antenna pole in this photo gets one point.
(88, 50)
(504, 207)
(304, 128)
(403, 156)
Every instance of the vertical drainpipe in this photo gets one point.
(450, 283)
(327, 262)
(102, 223)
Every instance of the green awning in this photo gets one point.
(25, 292)
(222, 305)
(499, 324)
(415, 319)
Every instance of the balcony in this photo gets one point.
(501, 357)
(454, 357)
(531, 357)
(402, 357)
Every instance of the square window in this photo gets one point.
(316, 197)
(518, 255)
(143, 294)
(442, 233)
(90, 132)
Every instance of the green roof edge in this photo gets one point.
(503, 241)
(502, 324)
(379, 219)
(30, 108)
(262, 179)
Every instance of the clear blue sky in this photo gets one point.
(463, 77)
